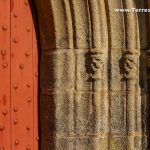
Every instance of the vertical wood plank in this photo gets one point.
(22, 76)
(35, 85)
(5, 129)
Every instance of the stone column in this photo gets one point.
(89, 75)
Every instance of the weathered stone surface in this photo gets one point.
(94, 75)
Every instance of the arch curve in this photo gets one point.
(89, 66)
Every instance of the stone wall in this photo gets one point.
(93, 75)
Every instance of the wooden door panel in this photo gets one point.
(5, 74)
(19, 78)
(35, 94)
(21, 65)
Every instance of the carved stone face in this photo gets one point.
(96, 62)
(130, 66)
(96, 66)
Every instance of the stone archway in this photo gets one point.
(91, 75)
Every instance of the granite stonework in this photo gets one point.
(94, 75)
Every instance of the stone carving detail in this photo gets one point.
(104, 34)
(95, 65)
(130, 66)
(148, 59)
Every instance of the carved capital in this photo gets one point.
(130, 65)
(148, 64)
(95, 65)
(148, 59)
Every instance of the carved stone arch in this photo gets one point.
(89, 74)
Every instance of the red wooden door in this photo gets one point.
(18, 77)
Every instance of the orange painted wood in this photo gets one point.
(35, 80)
(5, 109)
(19, 96)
